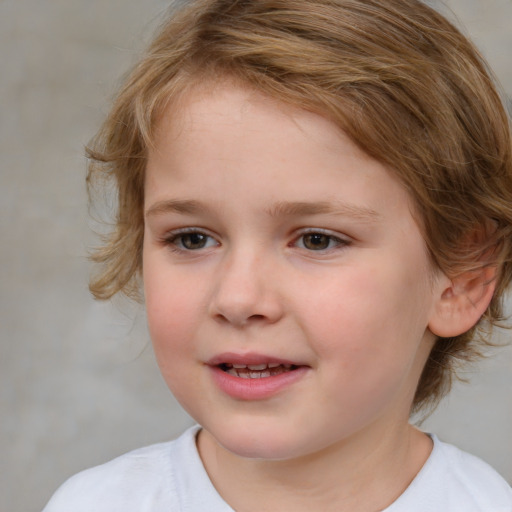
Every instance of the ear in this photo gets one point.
(461, 301)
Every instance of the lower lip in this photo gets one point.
(255, 389)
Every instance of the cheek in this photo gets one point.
(172, 322)
(371, 323)
(172, 306)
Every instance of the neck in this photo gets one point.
(361, 474)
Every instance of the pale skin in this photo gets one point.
(271, 236)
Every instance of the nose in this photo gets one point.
(246, 291)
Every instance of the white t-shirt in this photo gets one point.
(170, 477)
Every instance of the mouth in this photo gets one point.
(256, 371)
(254, 377)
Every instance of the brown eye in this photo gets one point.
(193, 241)
(317, 241)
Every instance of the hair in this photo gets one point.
(397, 77)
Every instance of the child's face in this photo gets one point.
(272, 240)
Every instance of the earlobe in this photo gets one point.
(462, 301)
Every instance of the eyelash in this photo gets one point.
(175, 240)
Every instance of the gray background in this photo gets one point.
(78, 381)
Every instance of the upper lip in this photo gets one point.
(248, 359)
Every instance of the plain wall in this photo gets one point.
(78, 381)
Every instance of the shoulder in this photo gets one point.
(475, 479)
(141, 480)
(457, 481)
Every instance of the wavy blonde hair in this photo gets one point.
(403, 83)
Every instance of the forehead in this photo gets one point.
(226, 113)
(225, 131)
(229, 103)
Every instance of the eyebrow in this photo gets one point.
(299, 208)
(280, 209)
(187, 206)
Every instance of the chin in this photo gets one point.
(259, 449)
(265, 443)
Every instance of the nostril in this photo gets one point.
(256, 317)
(239, 320)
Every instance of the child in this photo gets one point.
(316, 198)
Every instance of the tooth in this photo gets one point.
(265, 374)
(239, 366)
(257, 367)
(273, 365)
(255, 375)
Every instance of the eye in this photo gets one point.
(191, 241)
(318, 241)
